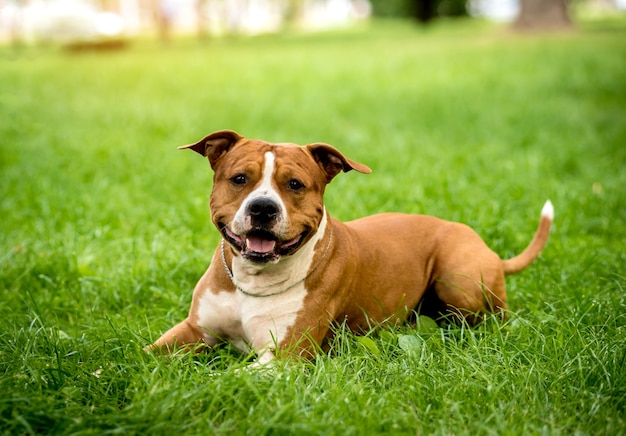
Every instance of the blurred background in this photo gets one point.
(113, 23)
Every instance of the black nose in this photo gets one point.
(262, 210)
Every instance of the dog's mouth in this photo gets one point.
(261, 246)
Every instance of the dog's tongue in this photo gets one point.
(260, 245)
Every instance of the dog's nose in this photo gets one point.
(263, 210)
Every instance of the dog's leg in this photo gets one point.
(297, 343)
(184, 334)
(471, 296)
(306, 341)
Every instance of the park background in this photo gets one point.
(78, 22)
(104, 224)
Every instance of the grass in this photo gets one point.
(105, 228)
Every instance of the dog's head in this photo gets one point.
(267, 199)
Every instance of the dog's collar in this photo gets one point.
(282, 291)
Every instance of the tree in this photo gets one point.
(543, 14)
(425, 10)
(422, 10)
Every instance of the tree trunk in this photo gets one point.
(543, 15)
(425, 10)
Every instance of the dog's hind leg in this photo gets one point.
(472, 296)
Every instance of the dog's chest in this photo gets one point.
(249, 322)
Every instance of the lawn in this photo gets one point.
(105, 228)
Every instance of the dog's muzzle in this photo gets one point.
(260, 242)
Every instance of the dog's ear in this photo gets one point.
(215, 145)
(333, 162)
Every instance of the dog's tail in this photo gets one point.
(526, 257)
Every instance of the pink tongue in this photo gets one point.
(259, 245)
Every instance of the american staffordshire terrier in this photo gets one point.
(286, 271)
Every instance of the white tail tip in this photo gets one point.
(548, 210)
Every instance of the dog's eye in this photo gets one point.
(295, 185)
(239, 179)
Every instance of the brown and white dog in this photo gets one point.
(285, 270)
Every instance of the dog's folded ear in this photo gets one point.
(333, 162)
(215, 145)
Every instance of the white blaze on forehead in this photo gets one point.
(268, 172)
(265, 189)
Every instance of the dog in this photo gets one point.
(286, 271)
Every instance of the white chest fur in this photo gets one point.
(248, 322)
(260, 318)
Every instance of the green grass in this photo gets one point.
(105, 228)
